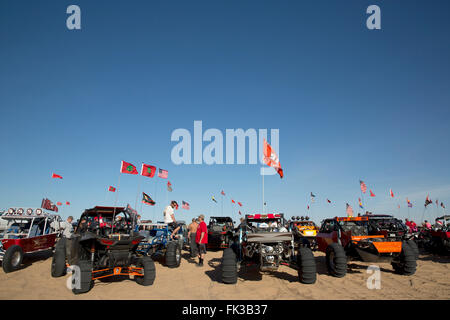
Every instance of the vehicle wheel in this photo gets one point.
(12, 259)
(229, 266)
(59, 259)
(414, 248)
(407, 263)
(85, 277)
(306, 265)
(148, 267)
(303, 242)
(180, 243)
(336, 260)
(173, 254)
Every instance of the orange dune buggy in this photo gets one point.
(304, 230)
(347, 238)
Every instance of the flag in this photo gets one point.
(271, 158)
(214, 199)
(240, 204)
(349, 210)
(427, 201)
(240, 213)
(54, 175)
(409, 203)
(399, 206)
(147, 199)
(312, 197)
(222, 193)
(59, 203)
(232, 201)
(169, 186)
(360, 204)
(442, 205)
(328, 201)
(307, 207)
(372, 194)
(163, 173)
(48, 205)
(148, 170)
(391, 193)
(185, 205)
(67, 203)
(112, 189)
(363, 186)
(126, 167)
(437, 203)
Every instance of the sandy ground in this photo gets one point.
(432, 281)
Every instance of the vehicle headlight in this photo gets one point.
(38, 211)
(268, 249)
(11, 211)
(29, 211)
(20, 211)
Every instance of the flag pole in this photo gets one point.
(263, 193)
(139, 189)
(115, 204)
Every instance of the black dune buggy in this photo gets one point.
(103, 245)
(220, 232)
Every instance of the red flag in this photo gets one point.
(68, 203)
(126, 167)
(148, 170)
(240, 212)
(240, 204)
(372, 194)
(169, 186)
(112, 189)
(222, 193)
(163, 173)
(307, 207)
(54, 175)
(271, 158)
(363, 186)
(59, 203)
(232, 201)
(328, 201)
(391, 193)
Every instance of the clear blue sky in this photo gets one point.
(350, 103)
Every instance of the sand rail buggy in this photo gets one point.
(27, 231)
(304, 231)
(104, 245)
(394, 229)
(348, 238)
(264, 240)
(157, 243)
(220, 232)
(438, 238)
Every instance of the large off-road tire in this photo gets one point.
(180, 243)
(173, 254)
(306, 265)
(229, 267)
(149, 270)
(336, 260)
(59, 259)
(12, 259)
(414, 247)
(407, 263)
(85, 274)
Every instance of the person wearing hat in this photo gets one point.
(169, 218)
(201, 239)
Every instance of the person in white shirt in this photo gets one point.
(169, 218)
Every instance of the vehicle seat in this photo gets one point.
(34, 231)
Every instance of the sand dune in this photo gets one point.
(431, 281)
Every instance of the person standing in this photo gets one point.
(201, 239)
(169, 218)
(192, 234)
(67, 232)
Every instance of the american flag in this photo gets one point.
(363, 186)
(185, 205)
(349, 210)
(163, 173)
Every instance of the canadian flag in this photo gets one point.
(271, 158)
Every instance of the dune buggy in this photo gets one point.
(220, 232)
(104, 245)
(438, 238)
(157, 243)
(264, 240)
(349, 238)
(304, 231)
(27, 231)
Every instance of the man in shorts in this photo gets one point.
(201, 240)
(192, 234)
(169, 218)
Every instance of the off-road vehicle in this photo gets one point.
(220, 232)
(104, 245)
(263, 240)
(304, 231)
(28, 230)
(438, 238)
(348, 238)
(157, 243)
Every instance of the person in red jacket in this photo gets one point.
(201, 239)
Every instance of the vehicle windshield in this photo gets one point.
(306, 223)
(357, 228)
(265, 224)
